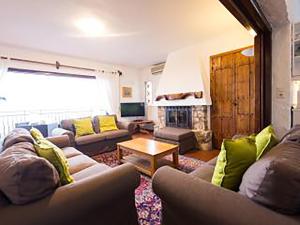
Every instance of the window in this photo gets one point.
(34, 91)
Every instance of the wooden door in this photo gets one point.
(233, 94)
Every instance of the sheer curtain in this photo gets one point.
(108, 91)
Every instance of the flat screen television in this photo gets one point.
(133, 109)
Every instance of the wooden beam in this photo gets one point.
(250, 16)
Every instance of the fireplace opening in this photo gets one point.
(179, 116)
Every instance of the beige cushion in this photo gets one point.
(115, 134)
(80, 162)
(92, 138)
(90, 171)
(26, 177)
(70, 152)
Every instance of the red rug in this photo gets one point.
(147, 203)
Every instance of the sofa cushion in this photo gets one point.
(175, 134)
(36, 134)
(26, 177)
(21, 148)
(71, 152)
(265, 140)
(56, 157)
(115, 134)
(90, 171)
(97, 123)
(274, 180)
(80, 162)
(83, 127)
(15, 136)
(234, 159)
(92, 138)
(204, 172)
(107, 123)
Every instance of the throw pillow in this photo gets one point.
(16, 136)
(107, 123)
(83, 127)
(25, 177)
(273, 181)
(36, 134)
(234, 159)
(265, 140)
(55, 156)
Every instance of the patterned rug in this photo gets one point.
(147, 203)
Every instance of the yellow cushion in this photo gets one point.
(83, 127)
(36, 134)
(56, 157)
(107, 123)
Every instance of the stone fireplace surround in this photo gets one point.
(199, 124)
(199, 117)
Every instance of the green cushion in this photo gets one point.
(234, 159)
(265, 140)
(55, 156)
(36, 134)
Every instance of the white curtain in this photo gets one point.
(109, 97)
(3, 70)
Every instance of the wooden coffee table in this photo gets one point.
(146, 154)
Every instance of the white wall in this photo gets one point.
(129, 78)
(281, 78)
(230, 40)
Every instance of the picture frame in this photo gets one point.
(126, 92)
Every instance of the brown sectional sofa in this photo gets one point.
(99, 142)
(191, 199)
(99, 195)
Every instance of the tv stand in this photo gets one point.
(139, 120)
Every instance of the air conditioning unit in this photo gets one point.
(157, 68)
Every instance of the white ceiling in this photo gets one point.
(147, 30)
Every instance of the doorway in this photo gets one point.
(233, 93)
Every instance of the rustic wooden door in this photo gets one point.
(233, 93)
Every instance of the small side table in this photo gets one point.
(144, 126)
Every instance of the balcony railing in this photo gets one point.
(9, 119)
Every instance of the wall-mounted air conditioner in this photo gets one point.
(157, 68)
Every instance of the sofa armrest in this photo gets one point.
(76, 203)
(61, 141)
(127, 125)
(190, 200)
(61, 131)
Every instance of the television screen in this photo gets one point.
(132, 109)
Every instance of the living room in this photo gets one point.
(150, 112)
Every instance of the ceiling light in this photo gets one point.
(91, 27)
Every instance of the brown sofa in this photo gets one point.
(99, 195)
(191, 199)
(100, 141)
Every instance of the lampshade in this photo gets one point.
(248, 52)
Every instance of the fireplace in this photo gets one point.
(179, 116)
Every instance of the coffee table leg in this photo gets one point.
(175, 158)
(153, 165)
(119, 153)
